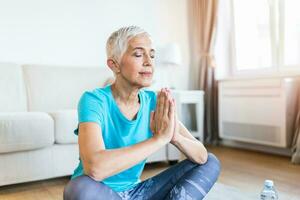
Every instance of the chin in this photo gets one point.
(145, 84)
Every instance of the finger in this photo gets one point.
(166, 107)
(166, 95)
(172, 111)
(176, 121)
(176, 128)
(170, 98)
(151, 116)
(160, 105)
(168, 91)
(157, 97)
(158, 100)
(152, 127)
(175, 125)
(175, 107)
(175, 111)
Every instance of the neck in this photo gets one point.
(125, 94)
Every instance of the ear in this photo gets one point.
(113, 65)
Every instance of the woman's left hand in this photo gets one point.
(176, 129)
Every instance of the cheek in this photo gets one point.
(131, 67)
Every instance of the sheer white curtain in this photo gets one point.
(223, 40)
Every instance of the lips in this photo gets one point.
(146, 73)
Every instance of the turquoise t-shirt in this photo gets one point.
(117, 131)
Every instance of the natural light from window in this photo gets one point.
(252, 34)
(266, 34)
(292, 33)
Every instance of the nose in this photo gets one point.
(148, 60)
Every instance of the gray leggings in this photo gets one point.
(185, 180)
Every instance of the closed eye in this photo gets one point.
(138, 55)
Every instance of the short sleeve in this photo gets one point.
(90, 109)
(153, 97)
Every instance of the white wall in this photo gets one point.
(74, 32)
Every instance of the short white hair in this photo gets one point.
(117, 42)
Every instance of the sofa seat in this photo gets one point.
(38, 164)
(20, 131)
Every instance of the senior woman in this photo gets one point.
(120, 125)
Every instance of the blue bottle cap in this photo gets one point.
(269, 183)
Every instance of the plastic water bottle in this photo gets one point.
(269, 192)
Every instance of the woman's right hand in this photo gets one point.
(162, 121)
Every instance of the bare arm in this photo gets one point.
(192, 148)
(100, 163)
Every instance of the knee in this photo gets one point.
(213, 163)
(77, 188)
(188, 163)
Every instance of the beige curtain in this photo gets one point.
(296, 140)
(202, 17)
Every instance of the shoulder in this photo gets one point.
(97, 96)
(149, 97)
(149, 94)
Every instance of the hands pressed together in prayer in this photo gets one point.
(163, 121)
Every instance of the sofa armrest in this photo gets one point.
(21, 131)
(65, 123)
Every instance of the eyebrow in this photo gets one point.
(141, 48)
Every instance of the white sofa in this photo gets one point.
(37, 119)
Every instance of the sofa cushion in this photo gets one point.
(65, 122)
(52, 88)
(12, 90)
(21, 131)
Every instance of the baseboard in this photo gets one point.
(256, 147)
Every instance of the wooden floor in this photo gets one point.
(243, 169)
(247, 171)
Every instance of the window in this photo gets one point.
(266, 34)
(291, 38)
(252, 34)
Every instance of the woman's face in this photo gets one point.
(137, 63)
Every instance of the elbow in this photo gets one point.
(94, 167)
(93, 170)
(202, 159)
(94, 173)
